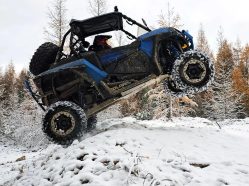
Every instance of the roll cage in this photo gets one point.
(80, 29)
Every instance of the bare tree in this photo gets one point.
(97, 7)
(170, 18)
(57, 25)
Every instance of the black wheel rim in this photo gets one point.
(194, 72)
(62, 123)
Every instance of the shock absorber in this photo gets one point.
(171, 53)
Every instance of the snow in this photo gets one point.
(126, 151)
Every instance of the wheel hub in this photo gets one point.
(191, 73)
(62, 123)
(194, 71)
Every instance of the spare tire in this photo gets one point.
(43, 57)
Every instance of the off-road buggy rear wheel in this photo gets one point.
(64, 122)
(43, 57)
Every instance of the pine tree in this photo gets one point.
(58, 24)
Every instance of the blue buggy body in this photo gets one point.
(146, 45)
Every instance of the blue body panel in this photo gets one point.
(153, 33)
(147, 40)
(147, 47)
(95, 73)
(110, 57)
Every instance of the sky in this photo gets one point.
(22, 22)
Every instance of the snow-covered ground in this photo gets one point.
(185, 151)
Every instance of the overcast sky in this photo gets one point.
(22, 22)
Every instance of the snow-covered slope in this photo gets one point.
(186, 151)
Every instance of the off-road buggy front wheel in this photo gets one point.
(64, 122)
(43, 57)
(192, 72)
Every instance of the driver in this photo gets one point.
(100, 43)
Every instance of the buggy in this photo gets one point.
(74, 87)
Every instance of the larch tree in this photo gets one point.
(237, 51)
(8, 84)
(58, 24)
(225, 60)
(245, 62)
(7, 96)
(240, 78)
(240, 86)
